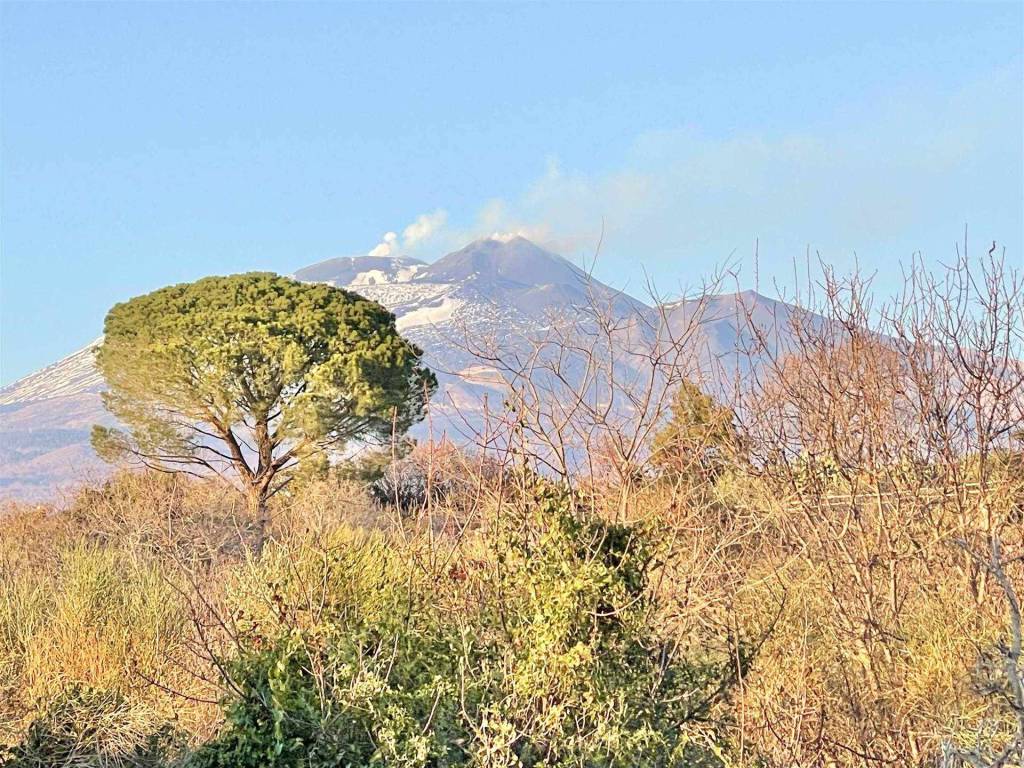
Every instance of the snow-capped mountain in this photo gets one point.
(45, 421)
(492, 287)
(73, 375)
(500, 291)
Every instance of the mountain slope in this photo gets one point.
(73, 375)
(497, 292)
(361, 270)
(45, 421)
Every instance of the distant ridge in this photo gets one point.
(361, 270)
(514, 261)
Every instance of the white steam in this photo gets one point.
(425, 226)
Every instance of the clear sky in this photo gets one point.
(145, 143)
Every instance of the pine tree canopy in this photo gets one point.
(252, 373)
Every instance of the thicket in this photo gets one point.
(531, 638)
(817, 566)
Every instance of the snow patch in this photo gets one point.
(505, 237)
(430, 315)
(380, 277)
(75, 374)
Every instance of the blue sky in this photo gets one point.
(144, 144)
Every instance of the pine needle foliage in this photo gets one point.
(250, 375)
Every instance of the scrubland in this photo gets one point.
(820, 568)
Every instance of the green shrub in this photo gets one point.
(586, 678)
(550, 659)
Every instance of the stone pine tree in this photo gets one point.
(251, 375)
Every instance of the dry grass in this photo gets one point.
(81, 608)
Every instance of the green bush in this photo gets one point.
(550, 659)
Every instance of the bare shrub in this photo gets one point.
(883, 434)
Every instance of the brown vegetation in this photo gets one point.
(849, 547)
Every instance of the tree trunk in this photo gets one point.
(261, 479)
(260, 514)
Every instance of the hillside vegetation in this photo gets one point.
(820, 568)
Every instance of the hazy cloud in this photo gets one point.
(887, 179)
(883, 181)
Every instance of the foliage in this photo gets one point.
(554, 665)
(838, 525)
(88, 602)
(589, 679)
(699, 439)
(330, 678)
(550, 632)
(253, 373)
